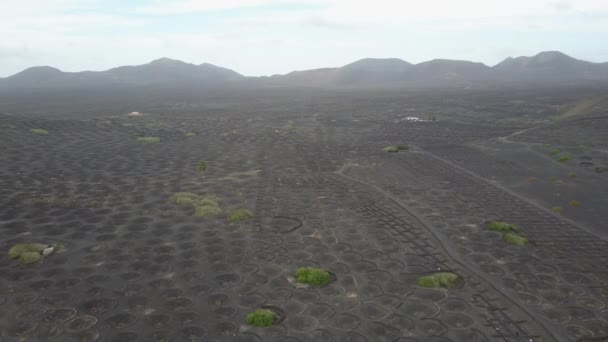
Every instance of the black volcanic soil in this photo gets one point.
(311, 168)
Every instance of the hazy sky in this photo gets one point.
(263, 37)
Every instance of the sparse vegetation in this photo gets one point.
(512, 234)
(52, 200)
(209, 200)
(206, 206)
(312, 276)
(185, 198)
(554, 179)
(563, 159)
(441, 279)
(190, 134)
(575, 203)
(49, 200)
(207, 211)
(572, 175)
(554, 152)
(557, 209)
(39, 131)
(240, 215)
(148, 140)
(504, 227)
(202, 166)
(601, 169)
(515, 239)
(396, 148)
(262, 318)
(29, 253)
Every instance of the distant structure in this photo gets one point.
(412, 118)
(134, 114)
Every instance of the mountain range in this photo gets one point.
(546, 67)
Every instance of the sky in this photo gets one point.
(265, 37)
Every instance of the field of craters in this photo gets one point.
(99, 176)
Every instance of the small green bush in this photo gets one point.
(206, 206)
(575, 203)
(262, 318)
(202, 166)
(572, 175)
(148, 140)
(190, 134)
(240, 215)
(312, 276)
(51, 200)
(185, 198)
(554, 152)
(209, 200)
(29, 258)
(514, 239)
(504, 227)
(601, 169)
(427, 281)
(39, 131)
(441, 279)
(391, 149)
(557, 209)
(207, 211)
(563, 159)
(27, 253)
(403, 147)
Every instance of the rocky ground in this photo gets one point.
(323, 193)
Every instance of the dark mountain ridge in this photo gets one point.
(160, 71)
(545, 67)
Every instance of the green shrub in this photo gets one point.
(601, 169)
(27, 253)
(207, 211)
(427, 281)
(262, 318)
(240, 215)
(403, 147)
(205, 206)
(563, 159)
(554, 152)
(441, 279)
(51, 200)
(209, 200)
(58, 247)
(185, 198)
(575, 203)
(202, 166)
(39, 131)
(391, 149)
(312, 276)
(190, 134)
(148, 140)
(557, 209)
(504, 227)
(572, 175)
(514, 239)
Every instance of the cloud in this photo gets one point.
(193, 6)
(269, 36)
